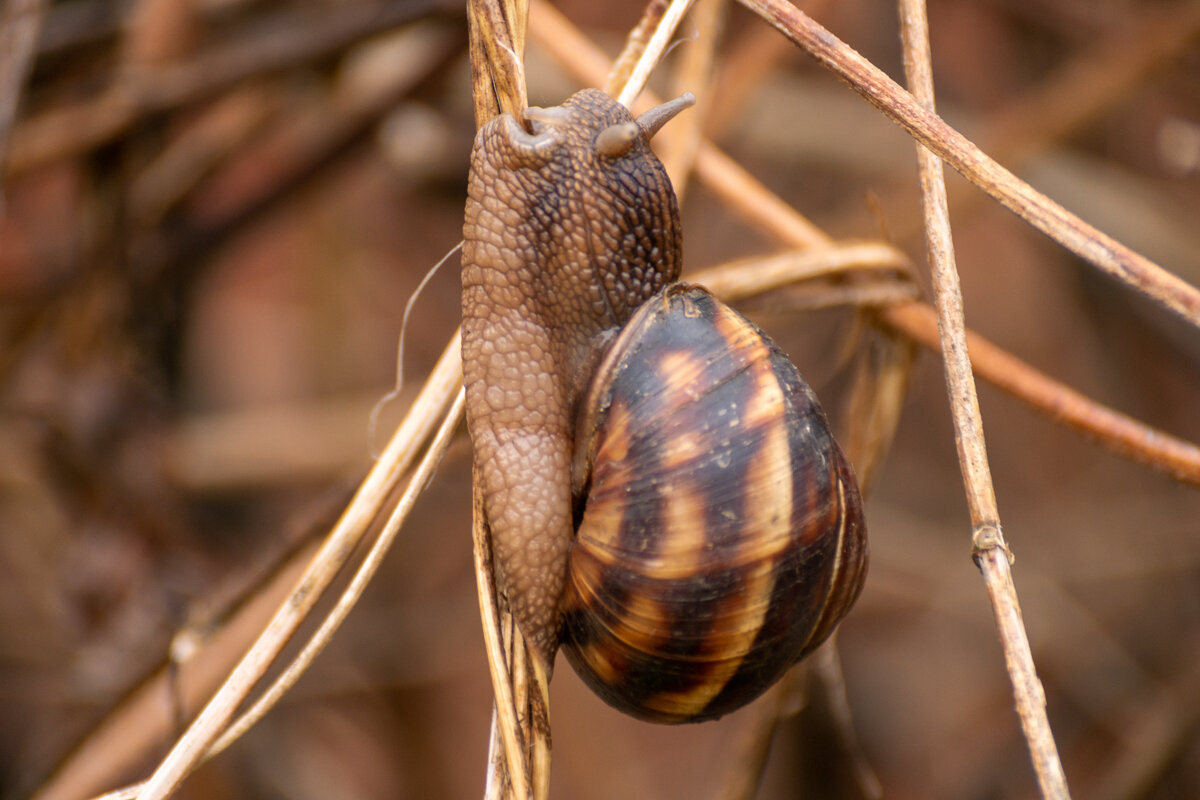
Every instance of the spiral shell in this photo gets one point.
(720, 530)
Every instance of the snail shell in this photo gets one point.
(721, 535)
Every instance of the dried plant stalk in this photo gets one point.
(635, 44)
(427, 411)
(1119, 433)
(497, 47)
(1094, 246)
(991, 551)
(655, 47)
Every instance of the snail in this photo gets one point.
(665, 497)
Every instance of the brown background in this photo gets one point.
(185, 390)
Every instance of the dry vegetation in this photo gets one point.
(214, 212)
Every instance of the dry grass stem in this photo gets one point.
(345, 602)
(506, 762)
(519, 754)
(655, 48)
(738, 280)
(991, 551)
(993, 559)
(1099, 249)
(960, 382)
(635, 44)
(878, 393)
(497, 58)
(1117, 432)
(362, 577)
(141, 723)
(429, 408)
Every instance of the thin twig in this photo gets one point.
(1099, 249)
(991, 552)
(654, 51)
(505, 728)
(1117, 432)
(399, 455)
(497, 62)
(349, 598)
(960, 382)
(737, 280)
(140, 723)
(362, 577)
(635, 44)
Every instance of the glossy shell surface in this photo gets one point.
(721, 538)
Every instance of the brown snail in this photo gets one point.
(665, 497)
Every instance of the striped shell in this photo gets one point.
(721, 537)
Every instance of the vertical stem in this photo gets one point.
(653, 52)
(1101, 250)
(989, 548)
(429, 407)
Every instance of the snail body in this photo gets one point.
(563, 239)
(665, 498)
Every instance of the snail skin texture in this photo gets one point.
(665, 498)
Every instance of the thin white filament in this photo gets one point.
(399, 385)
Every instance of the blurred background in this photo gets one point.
(214, 213)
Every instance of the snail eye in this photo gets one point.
(616, 140)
